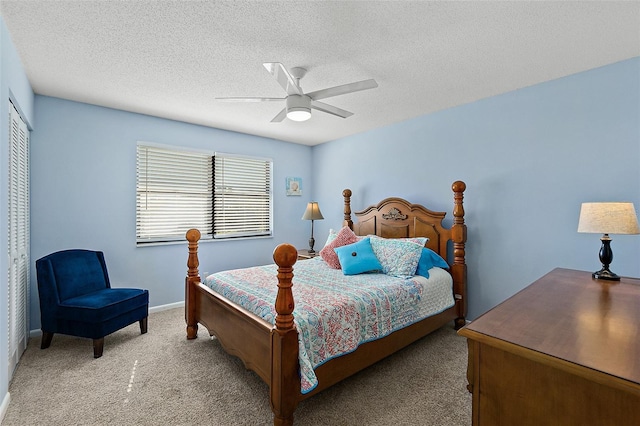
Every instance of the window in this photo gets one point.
(222, 195)
(242, 197)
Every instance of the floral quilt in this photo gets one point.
(335, 313)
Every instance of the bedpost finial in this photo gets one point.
(193, 235)
(346, 193)
(285, 255)
(459, 186)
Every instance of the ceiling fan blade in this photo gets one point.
(345, 88)
(283, 77)
(330, 109)
(249, 99)
(281, 116)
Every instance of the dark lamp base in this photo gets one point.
(606, 256)
(605, 274)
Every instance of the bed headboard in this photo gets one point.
(398, 218)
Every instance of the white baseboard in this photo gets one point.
(38, 333)
(165, 307)
(4, 406)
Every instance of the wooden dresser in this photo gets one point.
(564, 351)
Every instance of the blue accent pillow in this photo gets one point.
(429, 259)
(357, 258)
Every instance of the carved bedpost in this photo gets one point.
(285, 381)
(285, 255)
(193, 277)
(459, 237)
(347, 209)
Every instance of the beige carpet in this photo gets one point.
(161, 378)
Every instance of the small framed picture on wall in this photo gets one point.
(294, 186)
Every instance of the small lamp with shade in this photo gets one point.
(607, 218)
(312, 213)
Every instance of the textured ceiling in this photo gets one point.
(172, 58)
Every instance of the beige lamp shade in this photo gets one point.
(608, 218)
(312, 212)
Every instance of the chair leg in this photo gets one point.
(143, 325)
(98, 345)
(46, 339)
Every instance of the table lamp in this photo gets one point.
(312, 213)
(607, 218)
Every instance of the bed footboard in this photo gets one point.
(269, 350)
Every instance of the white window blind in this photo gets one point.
(174, 194)
(242, 200)
(178, 190)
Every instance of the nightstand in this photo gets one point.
(304, 254)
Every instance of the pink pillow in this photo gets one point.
(344, 237)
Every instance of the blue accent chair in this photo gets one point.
(76, 298)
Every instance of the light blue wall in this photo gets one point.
(14, 85)
(529, 158)
(83, 179)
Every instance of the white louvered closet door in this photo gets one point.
(18, 238)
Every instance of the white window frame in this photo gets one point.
(188, 203)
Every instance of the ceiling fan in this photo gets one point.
(299, 104)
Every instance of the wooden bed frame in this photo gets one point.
(272, 350)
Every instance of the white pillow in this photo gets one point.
(399, 257)
(332, 236)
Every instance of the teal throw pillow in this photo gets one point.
(357, 258)
(429, 259)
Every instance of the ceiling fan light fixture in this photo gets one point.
(298, 107)
(299, 113)
(299, 104)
